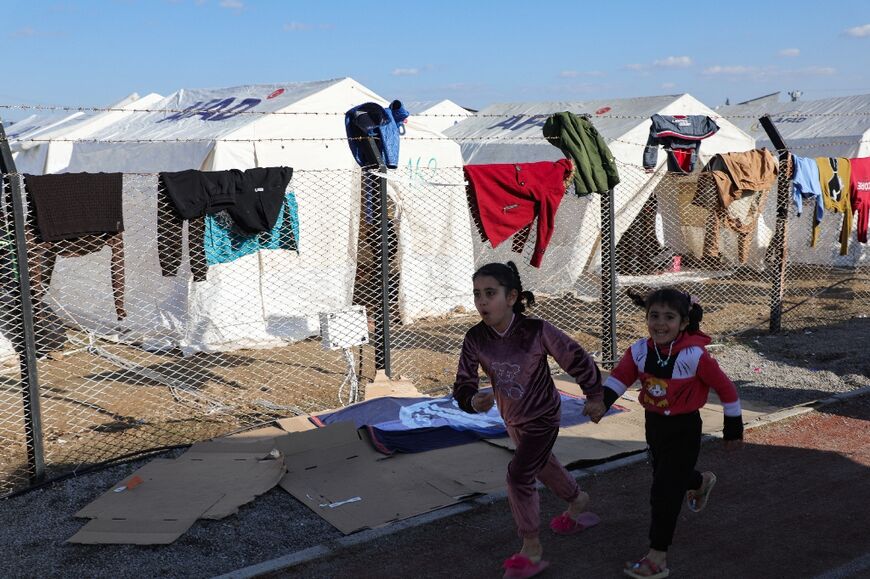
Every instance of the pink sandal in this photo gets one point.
(565, 524)
(519, 566)
(645, 569)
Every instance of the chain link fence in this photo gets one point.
(181, 331)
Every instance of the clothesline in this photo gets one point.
(321, 139)
(792, 113)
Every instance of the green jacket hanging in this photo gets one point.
(595, 167)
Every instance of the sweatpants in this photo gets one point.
(674, 444)
(533, 459)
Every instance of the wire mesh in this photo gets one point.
(178, 331)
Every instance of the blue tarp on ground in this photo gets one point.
(421, 424)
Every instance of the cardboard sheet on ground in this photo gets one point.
(339, 476)
(619, 433)
(210, 481)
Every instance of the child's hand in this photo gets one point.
(482, 401)
(594, 410)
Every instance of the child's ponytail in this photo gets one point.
(524, 297)
(696, 314)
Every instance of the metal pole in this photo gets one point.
(780, 235)
(27, 349)
(608, 280)
(385, 273)
(382, 318)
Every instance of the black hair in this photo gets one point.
(680, 301)
(507, 275)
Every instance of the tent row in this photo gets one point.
(438, 246)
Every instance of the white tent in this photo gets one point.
(265, 299)
(438, 115)
(32, 138)
(509, 133)
(832, 127)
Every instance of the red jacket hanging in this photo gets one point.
(861, 194)
(509, 196)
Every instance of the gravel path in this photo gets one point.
(783, 370)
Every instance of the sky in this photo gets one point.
(93, 53)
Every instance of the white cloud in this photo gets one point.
(25, 32)
(790, 52)
(579, 73)
(673, 62)
(667, 85)
(739, 70)
(636, 66)
(858, 31)
(730, 69)
(232, 4)
(816, 71)
(296, 26)
(405, 71)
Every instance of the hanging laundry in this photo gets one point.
(252, 198)
(806, 185)
(506, 198)
(383, 124)
(580, 141)
(259, 198)
(834, 177)
(224, 243)
(75, 214)
(860, 194)
(188, 196)
(69, 205)
(681, 136)
(733, 188)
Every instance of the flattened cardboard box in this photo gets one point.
(339, 476)
(205, 484)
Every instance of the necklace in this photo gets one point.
(664, 362)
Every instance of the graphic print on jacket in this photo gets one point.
(504, 378)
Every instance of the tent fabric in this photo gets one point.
(421, 424)
(243, 304)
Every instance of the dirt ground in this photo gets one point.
(95, 410)
(794, 502)
(794, 496)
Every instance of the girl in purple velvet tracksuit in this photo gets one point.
(513, 350)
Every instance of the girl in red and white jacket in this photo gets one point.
(675, 374)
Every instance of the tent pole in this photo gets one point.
(608, 280)
(24, 341)
(780, 235)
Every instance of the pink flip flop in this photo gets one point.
(565, 524)
(519, 566)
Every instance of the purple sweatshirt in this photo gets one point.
(517, 367)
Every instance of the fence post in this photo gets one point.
(25, 343)
(780, 235)
(385, 274)
(382, 318)
(608, 280)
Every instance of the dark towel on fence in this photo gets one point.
(259, 198)
(70, 205)
(199, 193)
